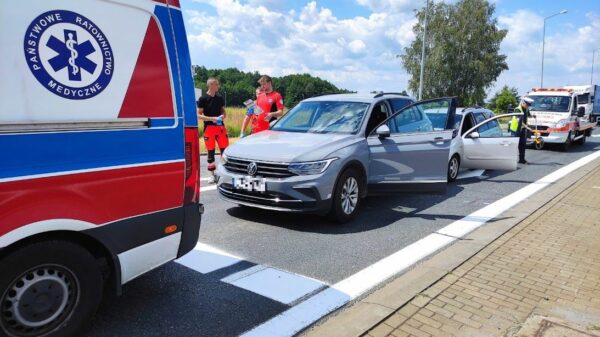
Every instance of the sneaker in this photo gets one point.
(212, 179)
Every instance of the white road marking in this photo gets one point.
(204, 179)
(309, 311)
(595, 136)
(278, 285)
(208, 188)
(205, 259)
(244, 273)
(470, 174)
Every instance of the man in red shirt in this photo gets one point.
(271, 104)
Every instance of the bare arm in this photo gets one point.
(205, 118)
(245, 123)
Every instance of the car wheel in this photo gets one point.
(346, 197)
(49, 289)
(582, 140)
(453, 168)
(567, 144)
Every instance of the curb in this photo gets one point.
(360, 316)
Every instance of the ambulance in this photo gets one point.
(556, 114)
(99, 155)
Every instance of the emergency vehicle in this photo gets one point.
(99, 155)
(556, 115)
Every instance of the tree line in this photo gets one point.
(238, 86)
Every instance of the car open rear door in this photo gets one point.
(487, 146)
(407, 155)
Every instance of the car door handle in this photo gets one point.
(438, 140)
(506, 143)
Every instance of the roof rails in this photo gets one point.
(389, 93)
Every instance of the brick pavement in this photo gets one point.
(548, 265)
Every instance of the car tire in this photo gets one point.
(453, 168)
(346, 196)
(582, 140)
(567, 144)
(49, 289)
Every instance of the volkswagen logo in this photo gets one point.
(252, 168)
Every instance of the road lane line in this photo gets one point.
(244, 273)
(278, 285)
(470, 174)
(205, 259)
(208, 188)
(306, 313)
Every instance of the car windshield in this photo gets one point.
(324, 117)
(550, 103)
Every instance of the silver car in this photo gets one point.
(480, 141)
(329, 152)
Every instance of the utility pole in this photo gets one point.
(593, 54)
(421, 74)
(544, 41)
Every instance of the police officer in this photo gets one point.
(520, 128)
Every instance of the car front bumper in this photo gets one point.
(301, 194)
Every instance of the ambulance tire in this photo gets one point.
(346, 196)
(582, 140)
(49, 289)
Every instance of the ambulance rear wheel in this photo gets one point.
(49, 289)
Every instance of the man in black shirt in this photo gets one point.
(211, 110)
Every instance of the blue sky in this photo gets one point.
(353, 43)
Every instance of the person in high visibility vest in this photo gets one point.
(519, 127)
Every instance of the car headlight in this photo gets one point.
(562, 123)
(224, 159)
(312, 167)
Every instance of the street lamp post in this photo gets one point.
(593, 54)
(421, 74)
(544, 41)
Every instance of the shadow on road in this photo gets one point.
(375, 212)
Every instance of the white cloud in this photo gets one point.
(567, 55)
(356, 53)
(359, 53)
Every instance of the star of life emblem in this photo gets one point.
(68, 54)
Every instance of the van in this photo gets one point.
(99, 155)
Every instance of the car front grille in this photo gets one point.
(264, 169)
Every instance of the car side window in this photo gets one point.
(399, 103)
(479, 117)
(379, 114)
(490, 129)
(467, 124)
(411, 120)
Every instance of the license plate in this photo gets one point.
(250, 184)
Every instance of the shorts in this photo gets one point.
(215, 135)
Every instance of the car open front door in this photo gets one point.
(407, 155)
(487, 146)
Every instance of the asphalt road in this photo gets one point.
(175, 300)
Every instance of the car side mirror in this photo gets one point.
(383, 131)
(474, 135)
(580, 111)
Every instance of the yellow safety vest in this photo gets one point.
(514, 124)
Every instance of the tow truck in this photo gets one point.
(558, 118)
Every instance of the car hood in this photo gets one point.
(288, 147)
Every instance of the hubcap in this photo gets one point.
(38, 301)
(453, 167)
(349, 195)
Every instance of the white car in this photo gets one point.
(479, 141)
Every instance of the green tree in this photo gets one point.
(503, 99)
(462, 51)
(238, 86)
